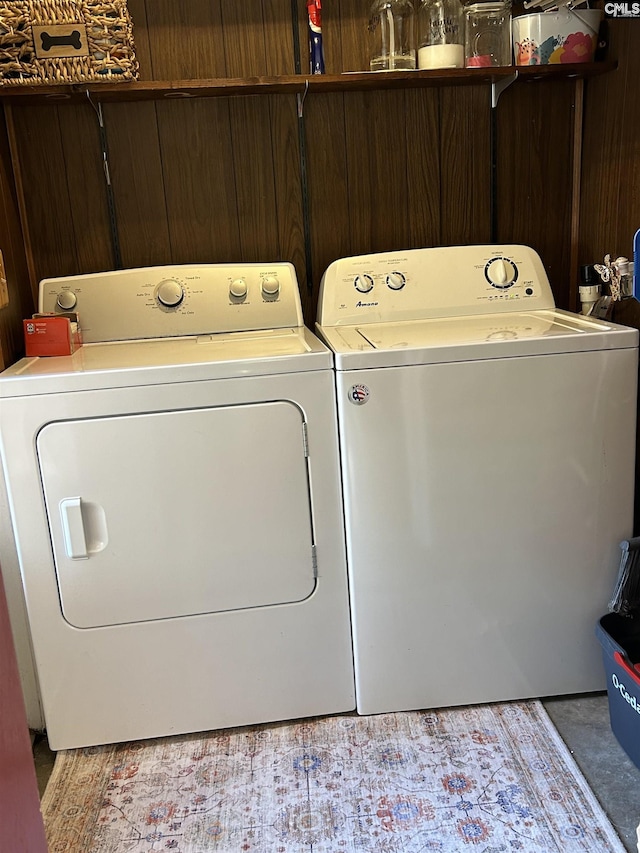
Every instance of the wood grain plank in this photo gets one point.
(576, 160)
(377, 171)
(465, 165)
(627, 129)
(278, 36)
(138, 186)
(354, 36)
(610, 207)
(21, 301)
(328, 184)
(361, 81)
(535, 149)
(244, 38)
(422, 134)
(611, 123)
(253, 158)
(299, 20)
(288, 190)
(138, 13)
(39, 157)
(89, 210)
(198, 180)
(186, 39)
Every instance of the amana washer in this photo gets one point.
(174, 488)
(487, 444)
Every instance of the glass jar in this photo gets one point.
(392, 39)
(440, 34)
(487, 33)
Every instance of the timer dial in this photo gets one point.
(169, 293)
(66, 300)
(501, 273)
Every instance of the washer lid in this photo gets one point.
(472, 338)
(164, 360)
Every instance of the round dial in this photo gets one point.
(238, 288)
(67, 300)
(270, 285)
(396, 280)
(169, 293)
(501, 273)
(363, 283)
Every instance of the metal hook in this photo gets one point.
(301, 97)
(115, 239)
(97, 108)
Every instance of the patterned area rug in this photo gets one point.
(485, 779)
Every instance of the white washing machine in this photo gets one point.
(174, 488)
(487, 445)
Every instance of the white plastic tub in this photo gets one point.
(548, 38)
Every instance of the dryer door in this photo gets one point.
(178, 513)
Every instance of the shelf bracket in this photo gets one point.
(300, 96)
(498, 88)
(113, 225)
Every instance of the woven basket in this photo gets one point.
(61, 41)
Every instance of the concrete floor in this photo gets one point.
(583, 723)
(43, 758)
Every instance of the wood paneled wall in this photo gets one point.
(15, 261)
(210, 180)
(610, 202)
(221, 179)
(536, 150)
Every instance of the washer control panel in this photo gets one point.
(449, 281)
(176, 301)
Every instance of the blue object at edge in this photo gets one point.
(636, 261)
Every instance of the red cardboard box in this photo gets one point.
(52, 334)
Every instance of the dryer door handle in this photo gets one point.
(75, 541)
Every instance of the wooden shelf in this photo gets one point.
(295, 84)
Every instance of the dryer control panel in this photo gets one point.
(450, 281)
(178, 300)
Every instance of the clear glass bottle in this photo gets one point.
(392, 35)
(487, 33)
(440, 34)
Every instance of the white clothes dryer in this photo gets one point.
(174, 488)
(487, 444)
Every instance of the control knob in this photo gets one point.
(169, 293)
(363, 283)
(270, 285)
(396, 280)
(238, 288)
(501, 273)
(66, 300)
